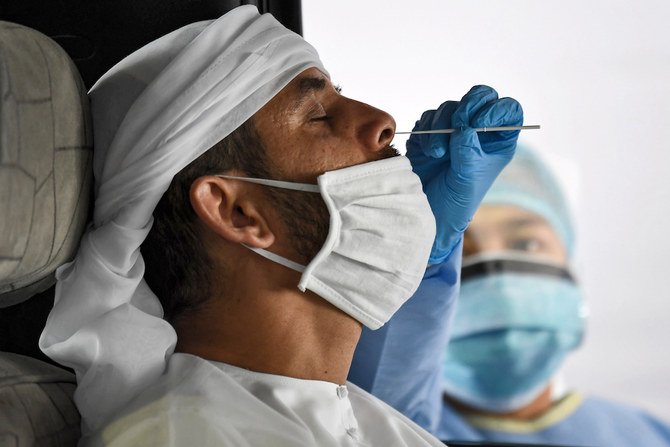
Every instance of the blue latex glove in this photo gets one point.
(458, 169)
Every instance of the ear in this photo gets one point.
(232, 209)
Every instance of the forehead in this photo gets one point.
(293, 95)
(504, 219)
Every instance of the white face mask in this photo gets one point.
(380, 236)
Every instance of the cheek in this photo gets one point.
(301, 159)
(308, 158)
(557, 252)
(304, 155)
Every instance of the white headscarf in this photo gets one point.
(154, 113)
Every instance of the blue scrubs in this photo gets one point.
(402, 362)
(574, 421)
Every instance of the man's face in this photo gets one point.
(504, 227)
(306, 130)
(309, 128)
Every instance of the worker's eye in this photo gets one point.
(531, 245)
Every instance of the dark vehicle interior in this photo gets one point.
(51, 53)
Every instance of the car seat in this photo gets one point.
(45, 190)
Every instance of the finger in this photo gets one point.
(417, 143)
(427, 168)
(465, 151)
(438, 144)
(470, 105)
(503, 112)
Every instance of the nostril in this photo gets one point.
(386, 137)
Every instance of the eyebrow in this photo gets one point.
(525, 222)
(310, 84)
(306, 86)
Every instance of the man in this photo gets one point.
(519, 314)
(221, 131)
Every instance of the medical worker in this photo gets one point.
(249, 220)
(519, 314)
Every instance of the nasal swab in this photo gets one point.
(478, 129)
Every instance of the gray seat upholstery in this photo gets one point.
(45, 158)
(36, 407)
(45, 190)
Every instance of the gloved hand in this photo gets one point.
(458, 169)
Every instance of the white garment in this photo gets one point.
(203, 403)
(154, 113)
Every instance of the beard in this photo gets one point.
(306, 217)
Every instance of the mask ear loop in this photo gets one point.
(305, 187)
(278, 259)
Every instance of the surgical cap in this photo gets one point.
(154, 113)
(528, 183)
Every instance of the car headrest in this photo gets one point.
(45, 161)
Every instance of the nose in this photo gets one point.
(374, 128)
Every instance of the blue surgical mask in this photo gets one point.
(517, 318)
